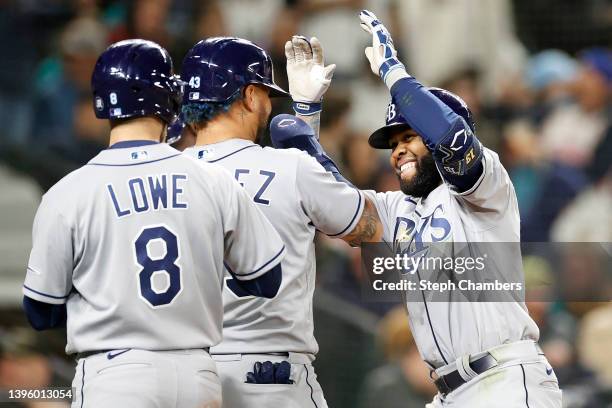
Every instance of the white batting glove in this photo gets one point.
(382, 54)
(308, 77)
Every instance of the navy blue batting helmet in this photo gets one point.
(395, 122)
(134, 78)
(174, 130)
(217, 68)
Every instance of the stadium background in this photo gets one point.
(536, 73)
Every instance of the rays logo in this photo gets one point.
(391, 112)
(416, 232)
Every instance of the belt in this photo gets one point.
(465, 368)
(86, 354)
(450, 382)
(293, 358)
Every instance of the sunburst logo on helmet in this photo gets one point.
(99, 103)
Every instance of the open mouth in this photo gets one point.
(406, 166)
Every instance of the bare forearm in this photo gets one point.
(369, 228)
(314, 121)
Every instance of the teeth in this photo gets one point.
(406, 166)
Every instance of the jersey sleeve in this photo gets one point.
(252, 245)
(493, 192)
(49, 274)
(334, 207)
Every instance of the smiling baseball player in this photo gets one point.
(454, 190)
(128, 250)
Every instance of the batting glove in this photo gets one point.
(382, 54)
(308, 77)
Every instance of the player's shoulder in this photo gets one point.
(208, 173)
(389, 196)
(291, 154)
(69, 184)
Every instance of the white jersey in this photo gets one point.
(486, 213)
(134, 243)
(298, 196)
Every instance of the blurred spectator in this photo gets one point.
(594, 342)
(24, 364)
(564, 24)
(252, 19)
(335, 122)
(63, 87)
(568, 139)
(404, 381)
(361, 161)
(557, 327)
(209, 22)
(571, 132)
(438, 37)
(334, 23)
(594, 339)
(588, 218)
(369, 100)
(146, 19)
(549, 75)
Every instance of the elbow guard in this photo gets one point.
(459, 151)
(459, 156)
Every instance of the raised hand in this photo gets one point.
(308, 76)
(382, 54)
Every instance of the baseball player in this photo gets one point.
(128, 251)
(482, 354)
(265, 358)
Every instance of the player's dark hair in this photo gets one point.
(198, 114)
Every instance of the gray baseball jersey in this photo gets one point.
(298, 196)
(486, 213)
(134, 243)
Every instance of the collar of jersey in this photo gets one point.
(120, 156)
(132, 143)
(223, 149)
(227, 144)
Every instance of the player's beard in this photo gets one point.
(262, 126)
(424, 181)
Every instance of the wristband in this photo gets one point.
(307, 108)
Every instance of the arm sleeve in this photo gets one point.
(266, 285)
(455, 148)
(49, 274)
(43, 316)
(252, 245)
(333, 206)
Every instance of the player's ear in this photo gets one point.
(249, 98)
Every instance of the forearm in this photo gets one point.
(425, 113)
(369, 228)
(314, 121)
